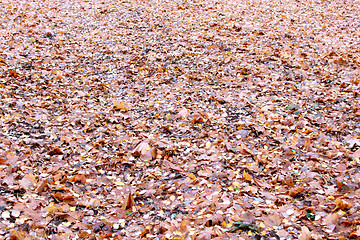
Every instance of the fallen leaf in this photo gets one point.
(42, 186)
(262, 184)
(28, 181)
(144, 151)
(247, 176)
(341, 204)
(128, 203)
(18, 235)
(272, 220)
(356, 155)
(305, 234)
(55, 151)
(120, 106)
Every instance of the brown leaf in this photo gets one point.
(28, 181)
(13, 73)
(272, 220)
(172, 166)
(120, 106)
(199, 117)
(128, 203)
(261, 183)
(55, 151)
(356, 155)
(332, 218)
(144, 151)
(183, 113)
(3, 161)
(18, 235)
(78, 178)
(205, 173)
(63, 196)
(356, 234)
(295, 191)
(215, 219)
(42, 186)
(305, 234)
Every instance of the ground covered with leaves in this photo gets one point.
(179, 119)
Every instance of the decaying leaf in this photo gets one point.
(144, 151)
(120, 106)
(247, 176)
(18, 235)
(341, 204)
(128, 203)
(215, 219)
(272, 220)
(305, 234)
(212, 112)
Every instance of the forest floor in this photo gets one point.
(179, 119)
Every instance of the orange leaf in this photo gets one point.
(341, 204)
(247, 176)
(120, 106)
(55, 151)
(78, 178)
(63, 196)
(3, 161)
(18, 235)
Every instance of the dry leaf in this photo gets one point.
(272, 220)
(128, 203)
(247, 176)
(144, 151)
(3, 161)
(305, 234)
(18, 235)
(261, 183)
(42, 186)
(205, 173)
(120, 106)
(183, 113)
(28, 181)
(55, 151)
(332, 218)
(341, 204)
(213, 220)
(356, 155)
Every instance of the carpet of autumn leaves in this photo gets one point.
(192, 119)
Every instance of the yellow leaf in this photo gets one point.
(67, 224)
(53, 208)
(236, 184)
(247, 176)
(341, 204)
(118, 183)
(192, 176)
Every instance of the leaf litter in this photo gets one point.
(179, 119)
